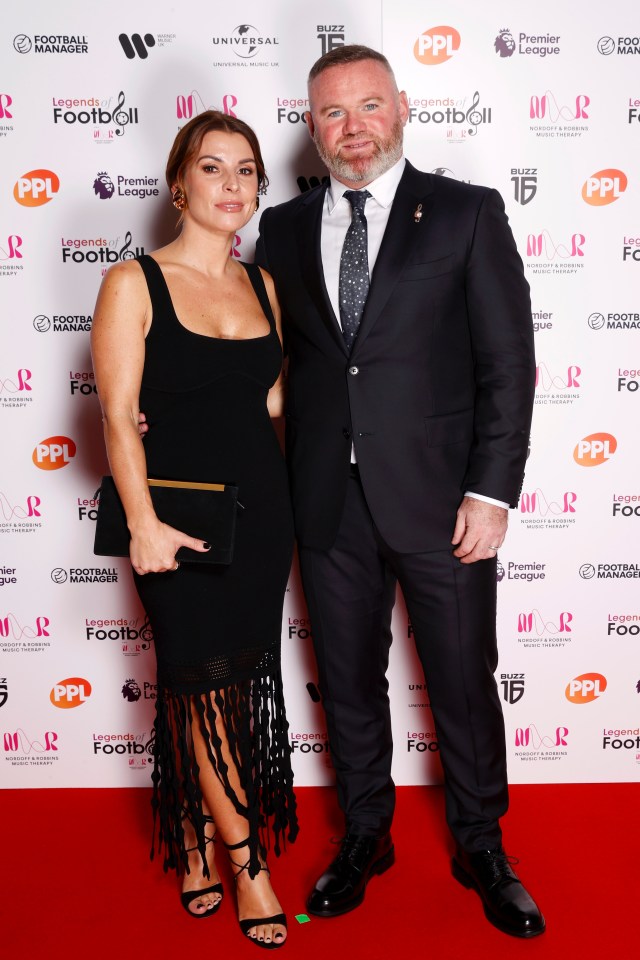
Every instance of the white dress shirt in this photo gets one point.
(336, 218)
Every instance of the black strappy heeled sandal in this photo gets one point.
(188, 896)
(245, 925)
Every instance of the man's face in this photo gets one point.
(356, 120)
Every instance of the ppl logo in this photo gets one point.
(595, 449)
(103, 185)
(604, 187)
(36, 188)
(586, 688)
(72, 692)
(436, 45)
(54, 453)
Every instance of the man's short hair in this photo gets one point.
(349, 53)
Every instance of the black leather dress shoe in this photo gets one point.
(341, 887)
(507, 905)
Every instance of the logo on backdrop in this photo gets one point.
(512, 687)
(623, 624)
(436, 45)
(557, 387)
(541, 511)
(545, 45)
(604, 187)
(134, 746)
(560, 118)
(542, 320)
(72, 692)
(553, 256)
(88, 506)
(137, 46)
(248, 46)
(526, 571)
(141, 187)
(35, 188)
(633, 104)
(108, 120)
(54, 453)
(22, 43)
(85, 575)
(10, 253)
(62, 323)
(22, 516)
(192, 104)
(4, 691)
(131, 691)
(108, 251)
(594, 450)
(310, 743)
(447, 172)
(536, 632)
(586, 688)
(614, 321)
(292, 109)
(533, 744)
(525, 184)
(330, 37)
(623, 46)
(28, 749)
(460, 118)
(15, 390)
(626, 505)
(7, 576)
(310, 183)
(627, 738)
(631, 249)
(628, 380)
(422, 742)
(82, 384)
(299, 627)
(133, 633)
(28, 637)
(610, 571)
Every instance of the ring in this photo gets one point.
(177, 566)
(493, 548)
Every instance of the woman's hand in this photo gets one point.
(153, 548)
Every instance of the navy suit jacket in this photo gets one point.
(437, 393)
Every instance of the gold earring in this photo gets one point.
(257, 204)
(178, 199)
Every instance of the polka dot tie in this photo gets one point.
(353, 285)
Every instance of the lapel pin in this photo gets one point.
(417, 216)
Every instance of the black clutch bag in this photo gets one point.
(206, 511)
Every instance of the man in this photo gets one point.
(411, 379)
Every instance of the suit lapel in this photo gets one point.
(308, 226)
(399, 237)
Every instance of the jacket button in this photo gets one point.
(354, 371)
(346, 434)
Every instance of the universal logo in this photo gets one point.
(247, 44)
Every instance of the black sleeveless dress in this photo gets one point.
(217, 629)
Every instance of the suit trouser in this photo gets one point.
(350, 592)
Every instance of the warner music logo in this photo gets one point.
(544, 45)
(610, 571)
(626, 505)
(614, 321)
(24, 635)
(4, 691)
(533, 745)
(540, 510)
(558, 118)
(512, 687)
(460, 118)
(310, 183)
(19, 515)
(547, 255)
(24, 750)
(536, 632)
(16, 390)
(62, 323)
(249, 47)
(108, 120)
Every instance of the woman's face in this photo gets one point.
(221, 184)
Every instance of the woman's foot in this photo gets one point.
(209, 901)
(259, 912)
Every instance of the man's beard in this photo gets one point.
(365, 169)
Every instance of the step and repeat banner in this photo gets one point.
(540, 101)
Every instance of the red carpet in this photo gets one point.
(76, 881)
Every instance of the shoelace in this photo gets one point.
(497, 864)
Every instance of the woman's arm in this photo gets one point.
(121, 320)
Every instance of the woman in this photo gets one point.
(192, 336)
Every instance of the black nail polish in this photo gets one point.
(207, 546)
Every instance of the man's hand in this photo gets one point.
(143, 426)
(480, 530)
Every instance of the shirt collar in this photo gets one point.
(383, 189)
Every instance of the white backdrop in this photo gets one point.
(542, 103)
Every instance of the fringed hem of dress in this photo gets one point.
(253, 716)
